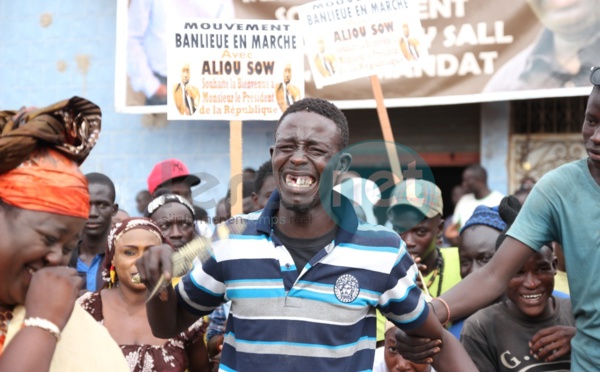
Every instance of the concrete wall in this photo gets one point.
(54, 49)
(495, 131)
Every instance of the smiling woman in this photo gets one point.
(121, 306)
(44, 203)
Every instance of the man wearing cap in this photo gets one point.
(477, 192)
(416, 214)
(174, 175)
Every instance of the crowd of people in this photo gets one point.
(298, 282)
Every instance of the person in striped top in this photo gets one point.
(305, 276)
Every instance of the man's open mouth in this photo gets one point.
(299, 181)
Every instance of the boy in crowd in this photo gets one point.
(388, 359)
(421, 228)
(264, 184)
(513, 335)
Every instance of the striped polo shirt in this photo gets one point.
(317, 318)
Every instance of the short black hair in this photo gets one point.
(323, 108)
(200, 213)
(478, 171)
(265, 170)
(247, 189)
(144, 193)
(508, 210)
(161, 191)
(102, 179)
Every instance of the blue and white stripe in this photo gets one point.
(281, 319)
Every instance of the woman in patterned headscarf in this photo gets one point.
(121, 306)
(44, 203)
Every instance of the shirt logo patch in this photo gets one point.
(346, 288)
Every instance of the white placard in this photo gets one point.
(233, 69)
(350, 39)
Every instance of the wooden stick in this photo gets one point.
(235, 168)
(386, 128)
(423, 282)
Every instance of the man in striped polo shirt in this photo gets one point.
(305, 276)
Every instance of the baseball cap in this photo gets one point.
(168, 170)
(420, 194)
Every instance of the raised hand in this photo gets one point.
(192, 92)
(52, 294)
(154, 264)
(161, 92)
(417, 349)
(551, 343)
(421, 268)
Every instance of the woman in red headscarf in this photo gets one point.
(44, 203)
(121, 307)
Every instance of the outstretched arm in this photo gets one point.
(165, 316)
(474, 292)
(485, 285)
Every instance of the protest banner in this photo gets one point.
(232, 69)
(479, 51)
(346, 40)
(363, 38)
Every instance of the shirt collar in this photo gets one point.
(344, 216)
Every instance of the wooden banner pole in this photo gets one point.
(235, 168)
(386, 128)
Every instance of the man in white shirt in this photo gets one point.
(477, 192)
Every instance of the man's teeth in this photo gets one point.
(303, 181)
(531, 297)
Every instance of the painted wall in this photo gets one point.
(54, 49)
(495, 131)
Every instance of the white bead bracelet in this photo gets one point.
(44, 324)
